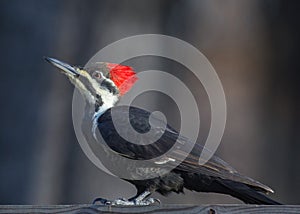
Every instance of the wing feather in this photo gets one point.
(139, 119)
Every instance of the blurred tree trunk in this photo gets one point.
(282, 100)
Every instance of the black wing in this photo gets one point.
(139, 120)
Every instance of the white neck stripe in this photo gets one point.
(109, 100)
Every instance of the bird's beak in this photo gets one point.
(73, 73)
(66, 68)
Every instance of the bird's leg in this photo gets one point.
(140, 200)
(141, 196)
(143, 200)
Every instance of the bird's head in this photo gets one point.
(102, 84)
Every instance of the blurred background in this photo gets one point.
(252, 44)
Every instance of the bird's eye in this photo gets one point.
(98, 74)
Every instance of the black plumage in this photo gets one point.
(214, 176)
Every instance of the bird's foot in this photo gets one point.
(147, 201)
(126, 202)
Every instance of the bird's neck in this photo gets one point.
(104, 102)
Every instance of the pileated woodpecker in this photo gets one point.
(102, 85)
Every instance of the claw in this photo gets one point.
(149, 201)
(122, 202)
(103, 201)
(156, 200)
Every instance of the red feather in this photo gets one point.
(123, 76)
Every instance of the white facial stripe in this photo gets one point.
(109, 99)
(94, 83)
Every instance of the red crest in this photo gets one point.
(123, 76)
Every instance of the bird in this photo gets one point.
(102, 84)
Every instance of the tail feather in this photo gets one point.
(246, 193)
